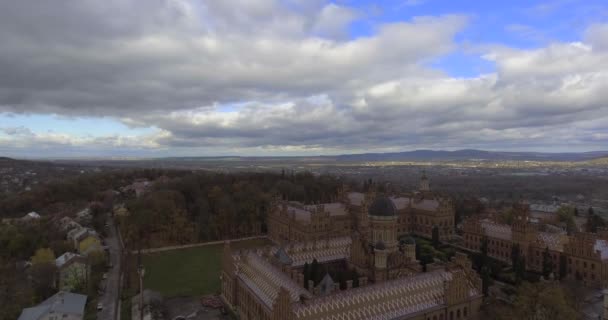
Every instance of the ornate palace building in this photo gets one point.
(417, 213)
(375, 275)
(584, 256)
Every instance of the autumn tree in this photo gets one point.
(42, 256)
(543, 300)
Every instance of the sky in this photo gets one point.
(154, 78)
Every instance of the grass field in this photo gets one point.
(189, 272)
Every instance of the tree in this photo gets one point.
(543, 300)
(436, 237)
(548, 266)
(306, 275)
(515, 253)
(43, 279)
(486, 280)
(565, 215)
(520, 270)
(42, 256)
(563, 266)
(595, 222)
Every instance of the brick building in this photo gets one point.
(417, 213)
(585, 254)
(386, 279)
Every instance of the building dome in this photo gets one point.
(407, 240)
(382, 207)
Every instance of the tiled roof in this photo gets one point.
(356, 198)
(335, 209)
(300, 213)
(322, 250)
(65, 258)
(266, 281)
(382, 301)
(400, 202)
(496, 230)
(555, 241)
(60, 303)
(426, 204)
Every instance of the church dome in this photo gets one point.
(382, 207)
(407, 240)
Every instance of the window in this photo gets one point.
(464, 312)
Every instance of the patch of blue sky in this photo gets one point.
(76, 126)
(520, 24)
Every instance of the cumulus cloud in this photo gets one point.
(276, 75)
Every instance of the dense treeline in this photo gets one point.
(61, 193)
(205, 206)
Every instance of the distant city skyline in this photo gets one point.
(126, 78)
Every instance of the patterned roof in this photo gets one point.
(382, 301)
(555, 241)
(334, 208)
(496, 230)
(356, 198)
(322, 250)
(265, 280)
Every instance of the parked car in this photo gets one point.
(104, 276)
(99, 306)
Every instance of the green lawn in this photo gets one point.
(189, 272)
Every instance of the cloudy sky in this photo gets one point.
(144, 78)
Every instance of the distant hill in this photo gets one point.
(470, 154)
(420, 155)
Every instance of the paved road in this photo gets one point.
(109, 298)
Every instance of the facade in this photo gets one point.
(585, 254)
(61, 306)
(417, 213)
(386, 281)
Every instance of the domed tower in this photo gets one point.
(424, 183)
(383, 224)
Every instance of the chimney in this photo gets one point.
(349, 284)
(311, 286)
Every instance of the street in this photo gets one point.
(111, 294)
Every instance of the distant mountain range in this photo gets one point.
(470, 154)
(423, 155)
(596, 157)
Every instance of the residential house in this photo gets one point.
(72, 270)
(32, 216)
(66, 224)
(61, 306)
(85, 240)
(84, 216)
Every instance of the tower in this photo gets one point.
(383, 224)
(424, 183)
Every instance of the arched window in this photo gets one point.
(458, 314)
(464, 311)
